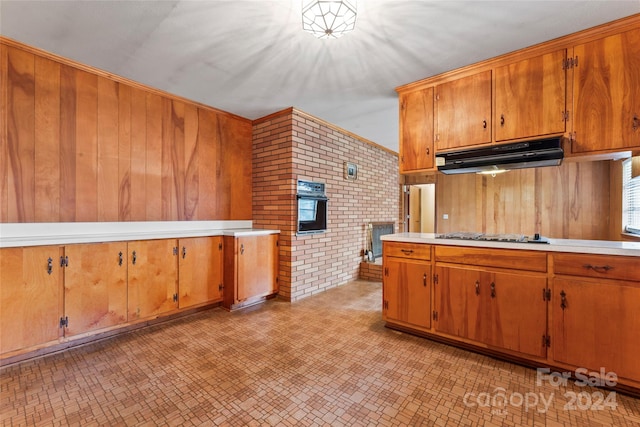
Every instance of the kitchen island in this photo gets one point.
(565, 304)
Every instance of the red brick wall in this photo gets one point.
(292, 145)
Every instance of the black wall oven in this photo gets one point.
(312, 207)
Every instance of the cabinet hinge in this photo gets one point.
(386, 271)
(64, 261)
(277, 280)
(565, 116)
(219, 246)
(435, 279)
(569, 63)
(546, 340)
(277, 243)
(546, 294)
(220, 287)
(175, 250)
(175, 297)
(64, 322)
(435, 315)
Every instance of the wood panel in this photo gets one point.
(407, 250)
(153, 159)
(597, 266)
(152, 278)
(95, 286)
(47, 140)
(257, 266)
(191, 192)
(139, 155)
(410, 300)
(209, 156)
(86, 146)
(90, 148)
(200, 271)
(108, 151)
(67, 144)
(20, 135)
(458, 304)
(124, 152)
(569, 202)
(30, 298)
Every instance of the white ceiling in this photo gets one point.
(251, 57)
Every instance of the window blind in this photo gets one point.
(630, 199)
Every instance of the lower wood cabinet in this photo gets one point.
(498, 309)
(30, 297)
(152, 278)
(200, 271)
(95, 287)
(407, 292)
(250, 269)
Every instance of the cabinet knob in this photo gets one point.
(501, 119)
(563, 299)
(134, 257)
(241, 248)
(636, 122)
(49, 265)
(424, 280)
(477, 288)
(120, 258)
(493, 290)
(428, 151)
(484, 124)
(184, 252)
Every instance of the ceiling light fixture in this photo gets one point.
(328, 19)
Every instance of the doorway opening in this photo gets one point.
(420, 208)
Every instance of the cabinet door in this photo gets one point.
(530, 97)
(200, 271)
(457, 303)
(463, 112)
(517, 316)
(257, 260)
(606, 94)
(597, 324)
(416, 130)
(95, 286)
(153, 274)
(407, 292)
(30, 297)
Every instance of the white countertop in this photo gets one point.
(62, 233)
(600, 247)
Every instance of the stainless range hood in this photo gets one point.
(517, 155)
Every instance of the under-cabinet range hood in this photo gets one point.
(497, 158)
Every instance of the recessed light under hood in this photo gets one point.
(517, 155)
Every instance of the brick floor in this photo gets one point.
(327, 360)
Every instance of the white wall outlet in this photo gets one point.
(445, 216)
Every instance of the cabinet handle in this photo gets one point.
(120, 258)
(424, 280)
(493, 290)
(636, 122)
(501, 119)
(407, 251)
(598, 268)
(184, 252)
(484, 124)
(49, 265)
(241, 248)
(563, 300)
(134, 257)
(427, 151)
(477, 288)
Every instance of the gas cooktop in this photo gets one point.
(516, 238)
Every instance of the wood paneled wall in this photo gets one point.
(78, 145)
(570, 201)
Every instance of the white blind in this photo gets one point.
(630, 199)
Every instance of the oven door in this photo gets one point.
(312, 214)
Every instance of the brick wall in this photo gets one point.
(291, 145)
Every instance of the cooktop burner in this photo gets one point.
(516, 238)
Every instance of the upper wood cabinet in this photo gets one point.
(416, 130)
(463, 112)
(530, 97)
(606, 94)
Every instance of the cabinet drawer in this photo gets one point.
(501, 258)
(407, 250)
(600, 266)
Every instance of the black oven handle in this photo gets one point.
(308, 197)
